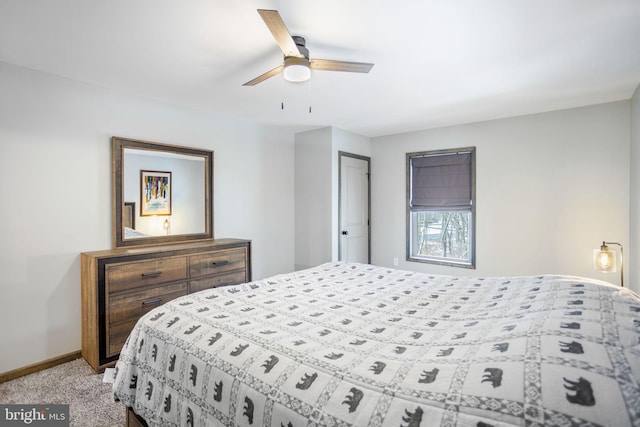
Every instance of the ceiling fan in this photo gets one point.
(297, 65)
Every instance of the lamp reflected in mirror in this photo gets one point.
(189, 177)
(604, 259)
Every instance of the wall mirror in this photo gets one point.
(160, 193)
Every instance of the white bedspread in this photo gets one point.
(352, 344)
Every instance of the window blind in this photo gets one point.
(441, 182)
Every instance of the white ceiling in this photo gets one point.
(437, 62)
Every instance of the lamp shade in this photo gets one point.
(296, 69)
(604, 260)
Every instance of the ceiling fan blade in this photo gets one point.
(331, 65)
(264, 76)
(280, 32)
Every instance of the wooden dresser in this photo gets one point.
(120, 285)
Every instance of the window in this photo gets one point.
(441, 207)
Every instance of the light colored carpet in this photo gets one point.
(74, 383)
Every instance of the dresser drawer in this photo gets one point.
(124, 310)
(223, 279)
(131, 275)
(217, 262)
(117, 336)
(133, 305)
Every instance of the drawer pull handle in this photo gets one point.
(219, 263)
(151, 275)
(154, 301)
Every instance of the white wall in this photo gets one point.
(634, 211)
(317, 195)
(550, 187)
(313, 198)
(55, 171)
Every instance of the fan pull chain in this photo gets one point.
(309, 94)
(282, 92)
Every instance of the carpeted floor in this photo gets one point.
(74, 383)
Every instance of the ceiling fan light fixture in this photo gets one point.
(297, 66)
(296, 70)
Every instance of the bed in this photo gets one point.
(346, 344)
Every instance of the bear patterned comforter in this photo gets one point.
(346, 344)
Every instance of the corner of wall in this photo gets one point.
(316, 193)
(634, 194)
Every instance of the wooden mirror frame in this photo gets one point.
(118, 146)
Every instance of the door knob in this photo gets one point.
(345, 232)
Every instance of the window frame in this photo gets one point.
(471, 264)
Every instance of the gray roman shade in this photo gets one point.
(441, 182)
